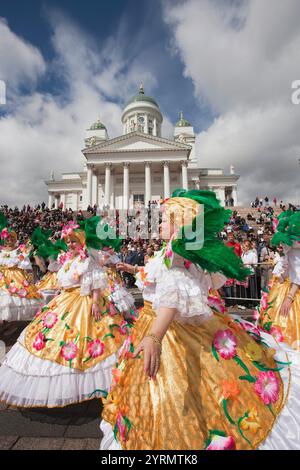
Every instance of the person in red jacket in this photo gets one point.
(231, 242)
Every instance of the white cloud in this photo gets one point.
(243, 58)
(45, 131)
(21, 64)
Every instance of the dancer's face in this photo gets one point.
(72, 243)
(167, 228)
(10, 241)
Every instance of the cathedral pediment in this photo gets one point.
(135, 141)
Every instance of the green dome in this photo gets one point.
(97, 125)
(142, 97)
(182, 122)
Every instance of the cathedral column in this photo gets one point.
(184, 174)
(94, 189)
(63, 200)
(125, 185)
(56, 201)
(154, 126)
(50, 200)
(89, 184)
(107, 184)
(148, 191)
(112, 190)
(234, 196)
(166, 180)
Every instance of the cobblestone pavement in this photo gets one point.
(74, 427)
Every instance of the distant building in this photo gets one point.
(140, 165)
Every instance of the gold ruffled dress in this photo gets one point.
(284, 329)
(19, 298)
(65, 356)
(218, 385)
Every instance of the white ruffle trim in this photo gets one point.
(14, 308)
(122, 299)
(179, 290)
(155, 269)
(92, 280)
(28, 381)
(108, 441)
(285, 434)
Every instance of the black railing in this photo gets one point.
(248, 293)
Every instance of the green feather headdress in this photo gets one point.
(214, 255)
(288, 229)
(48, 249)
(39, 237)
(3, 225)
(98, 239)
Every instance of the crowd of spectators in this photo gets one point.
(249, 235)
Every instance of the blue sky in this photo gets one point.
(228, 64)
(143, 33)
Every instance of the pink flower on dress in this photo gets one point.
(264, 301)
(25, 283)
(23, 293)
(22, 248)
(96, 348)
(112, 311)
(267, 387)
(4, 234)
(12, 289)
(216, 303)
(249, 327)
(69, 229)
(69, 351)
(123, 426)
(39, 342)
(225, 343)
(169, 252)
(276, 332)
(123, 328)
(255, 315)
(218, 442)
(50, 319)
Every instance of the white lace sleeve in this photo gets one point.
(25, 264)
(180, 290)
(93, 277)
(294, 265)
(154, 270)
(281, 268)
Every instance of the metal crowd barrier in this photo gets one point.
(248, 293)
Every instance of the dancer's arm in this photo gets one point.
(150, 345)
(96, 312)
(128, 268)
(286, 306)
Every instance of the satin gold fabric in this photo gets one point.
(75, 324)
(18, 276)
(113, 276)
(179, 408)
(48, 282)
(289, 325)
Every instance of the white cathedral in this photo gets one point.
(139, 166)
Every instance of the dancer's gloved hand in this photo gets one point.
(152, 351)
(96, 311)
